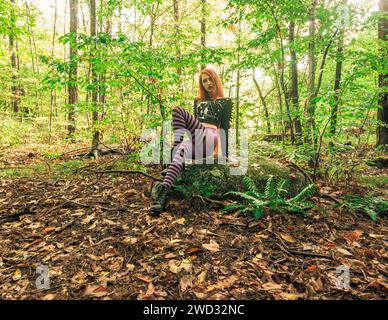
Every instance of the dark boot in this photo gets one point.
(161, 200)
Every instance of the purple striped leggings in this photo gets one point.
(203, 141)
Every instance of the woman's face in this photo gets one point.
(208, 83)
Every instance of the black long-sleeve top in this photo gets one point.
(218, 113)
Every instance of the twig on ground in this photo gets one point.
(128, 172)
(286, 249)
(22, 212)
(306, 175)
(204, 199)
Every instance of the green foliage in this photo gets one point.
(273, 199)
(196, 188)
(372, 206)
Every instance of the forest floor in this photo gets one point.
(95, 235)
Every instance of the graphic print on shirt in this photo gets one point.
(207, 110)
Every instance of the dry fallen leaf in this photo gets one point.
(212, 246)
(88, 219)
(17, 275)
(130, 266)
(150, 291)
(344, 251)
(130, 192)
(287, 237)
(49, 229)
(130, 240)
(377, 236)
(186, 282)
(110, 222)
(175, 241)
(192, 250)
(144, 278)
(49, 296)
(180, 221)
(223, 284)
(272, 286)
(354, 235)
(289, 296)
(311, 268)
(201, 277)
(94, 291)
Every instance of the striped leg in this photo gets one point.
(183, 121)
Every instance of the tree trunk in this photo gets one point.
(14, 77)
(72, 87)
(337, 83)
(310, 106)
(93, 32)
(294, 81)
(280, 101)
(382, 113)
(263, 101)
(281, 68)
(178, 51)
(203, 30)
(52, 57)
(238, 79)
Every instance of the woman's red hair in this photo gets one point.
(218, 92)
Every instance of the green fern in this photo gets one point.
(270, 188)
(280, 187)
(252, 191)
(232, 207)
(372, 206)
(306, 193)
(249, 184)
(273, 198)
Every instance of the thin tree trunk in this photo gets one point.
(72, 87)
(382, 113)
(238, 79)
(178, 51)
(310, 108)
(14, 77)
(203, 31)
(52, 57)
(294, 80)
(281, 68)
(150, 41)
(93, 32)
(337, 83)
(264, 103)
(64, 53)
(280, 101)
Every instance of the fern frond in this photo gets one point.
(258, 212)
(257, 195)
(242, 195)
(305, 194)
(232, 207)
(246, 210)
(270, 188)
(371, 213)
(249, 184)
(295, 208)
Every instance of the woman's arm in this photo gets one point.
(225, 124)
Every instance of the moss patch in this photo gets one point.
(214, 180)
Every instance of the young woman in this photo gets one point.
(211, 112)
